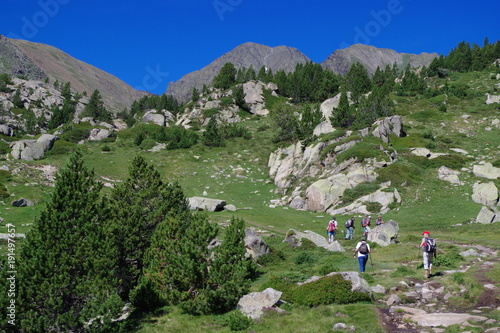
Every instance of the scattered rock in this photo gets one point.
(487, 170)
(294, 237)
(22, 203)
(387, 127)
(254, 304)
(449, 175)
(485, 193)
(384, 234)
(207, 204)
(255, 245)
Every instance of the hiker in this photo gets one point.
(332, 230)
(429, 252)
(365, 224)
(362, 249)
(349, 225)
(379, 221)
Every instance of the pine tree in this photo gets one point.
(95, 108)
(16, 100)
(66, 263)
(139, 204)
(212, 137)
(177, 263)
(357, 80)
(342, 117)
(230, 271)
(195, 95)
(226, 77)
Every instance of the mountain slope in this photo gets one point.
(244, 55)
(15, 63)
(58, 65)
(371, 57)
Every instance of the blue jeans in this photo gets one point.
(350, 233)
(362, 262)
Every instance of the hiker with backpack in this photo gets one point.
(365, 224)
(331, 230)
(362, 249)
(379, 221)
(429, 251)
(349, 225)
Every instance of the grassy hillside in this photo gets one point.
(238, 173)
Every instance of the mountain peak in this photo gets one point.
(372, 57)
(243, 56)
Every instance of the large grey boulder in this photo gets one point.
(206, 204)
(387, 126)
(384, 234)
(6, 130)
(98, 134)
(488, 215)
(254, 304)
(326, 193)
(153, 117)
(295, 237)
(449, 175)
(30, 150)
(254, 97)
(490, 99)
(22, 203)
(487, 170)
(426, 153)
(255, 245)
(485, 193)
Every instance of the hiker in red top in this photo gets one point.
(332, 230)
(429, 252)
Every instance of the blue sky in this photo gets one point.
(150, 43)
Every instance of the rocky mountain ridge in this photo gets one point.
(372, 57)
(286, 58)
(37, 61)
(243, 56)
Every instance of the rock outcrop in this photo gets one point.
(386, 127)
(206, 204)
(384, 234)
(255, 245)
(485, 193)
(30, 150)
(254, 304)
(295, 237)
(487, 170)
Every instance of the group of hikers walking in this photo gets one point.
(362, 249)
(349, 225)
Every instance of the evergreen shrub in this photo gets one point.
(147, 144)
(351, 194)
(62, 147)
(327, 290)
(237, 321)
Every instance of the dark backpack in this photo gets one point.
(363, 248)
(430, 245)
(348, 224)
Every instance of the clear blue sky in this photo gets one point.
(150, 43)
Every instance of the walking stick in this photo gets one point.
(371, 262)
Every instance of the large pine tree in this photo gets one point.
(139, 205)
(66, 263)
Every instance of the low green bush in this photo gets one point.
(62, 147)
(403, 271)
(237, 321)
(326, 290)
(360, 152)
(304, 258)
(147, 144)
(399, 173)
(351, 194)
(328, 268)
(3, 191)
(4, 147)
(272, 257)
(75, 135)
(5, 176)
